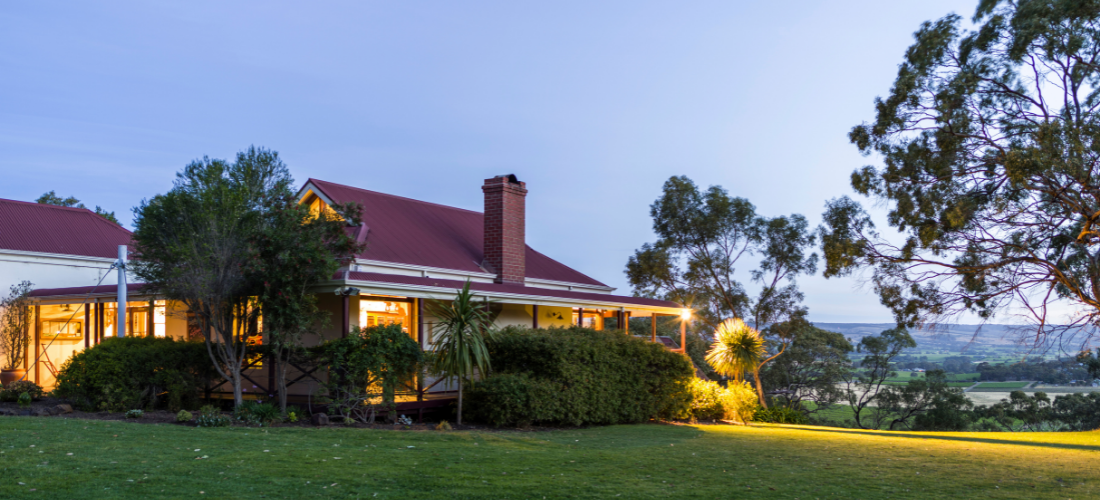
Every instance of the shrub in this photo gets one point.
(12, 391)
(739, 401)
(135, 414)
(136, 372)
(706, 400)
(183, 416)
(253, 413)
(211, 416)
(579, 376)
(25, 400)
(368, 362)
(711, 401)
(780, 416)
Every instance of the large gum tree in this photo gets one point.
(989, 143)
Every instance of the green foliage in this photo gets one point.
(15, 319)
(863, 386)
(211, 416)
(51, 198)
(737, 349)
(711, 401)
(780, 416)
(706, 400)
(1091, 362)
(197, 244)
(739, 401)
(184, 416)
(811, 370)
(24, 400)
(1021, 412)
(13, 390)
(579, 376)
(702, 236)
(136, 372)
(988, 171)
(464, 326)
(927, 404)
(256, 413)
(369, 361)
(135, 413)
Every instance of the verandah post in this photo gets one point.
(424, 347)
(535, 316)
(87, 324)
(37, 342)
(653, 325)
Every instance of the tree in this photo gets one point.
(812, 369)
(701, 237)
(738, 348)
(927, 403)
(463, 326)
(863, 385)
(991, 170)
(1091, 362)
(290, 252)
(51, 198)
(194, 245)
(15, 319)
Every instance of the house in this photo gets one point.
(415, 251)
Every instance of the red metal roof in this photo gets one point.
(533, 292)
(107, 288)
(35, 227)
(510, 288)
(408, 231)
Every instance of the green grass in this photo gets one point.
(129, 460)
(999, 386)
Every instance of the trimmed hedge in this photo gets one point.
(579, 376)
(136, 372)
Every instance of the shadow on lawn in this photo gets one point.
(1066, 446)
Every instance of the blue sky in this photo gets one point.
(593, 104)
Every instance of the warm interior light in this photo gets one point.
(685, 314)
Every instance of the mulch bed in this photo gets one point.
(46, 407)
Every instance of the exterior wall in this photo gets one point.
(515, 315)
(175, 321)
(550, 317)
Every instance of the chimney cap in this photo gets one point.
(511, 178)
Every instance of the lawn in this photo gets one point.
(71, 459)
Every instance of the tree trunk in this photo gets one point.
(280, 378)
(235, 373)
(459, 421)
(759, 388)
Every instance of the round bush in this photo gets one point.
(136, 372)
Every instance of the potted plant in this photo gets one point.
(14, 320)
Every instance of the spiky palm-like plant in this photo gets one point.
(737, 348)
(464, 326)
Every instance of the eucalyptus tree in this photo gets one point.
(989, 142)
(463, 325)
(702, 236)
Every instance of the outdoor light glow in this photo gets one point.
(685, 314)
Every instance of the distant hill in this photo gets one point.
(956, 338)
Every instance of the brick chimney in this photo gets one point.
(505, 245)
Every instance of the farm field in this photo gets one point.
(999, 386)
(70, 458)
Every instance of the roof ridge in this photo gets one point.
(47, 205)
(405, 198)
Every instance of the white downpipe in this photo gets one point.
(121, 322)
